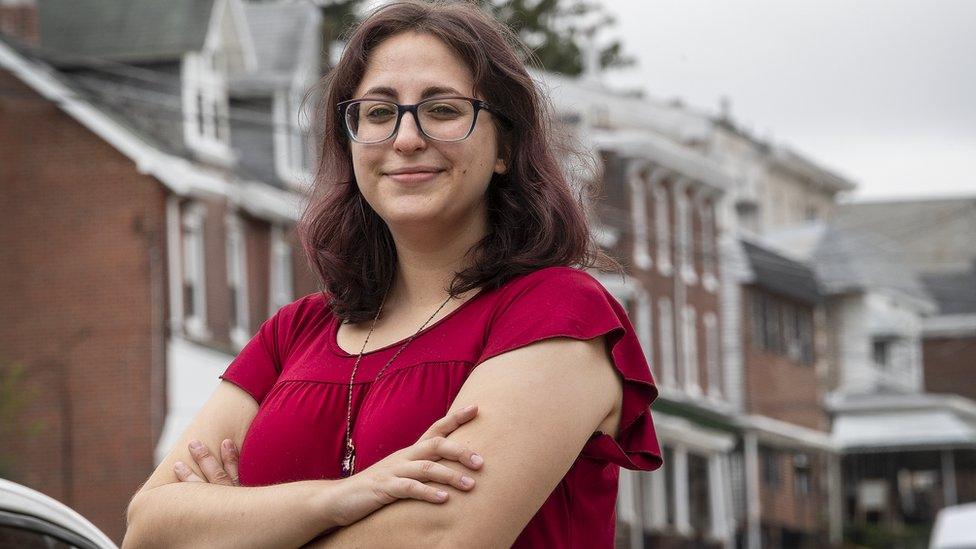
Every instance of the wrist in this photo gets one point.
(326, 500)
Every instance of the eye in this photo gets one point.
(442, 110)
(380, 112)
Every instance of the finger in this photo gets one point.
(212, 469)
(231, 458)
(403, 488)
(438, 448)
(426, 470)
(184, 473)
(449, 423)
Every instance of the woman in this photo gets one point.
(446, 238)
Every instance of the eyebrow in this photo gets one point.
(429, 91)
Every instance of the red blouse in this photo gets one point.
(296, 371)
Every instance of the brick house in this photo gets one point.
(144, 241)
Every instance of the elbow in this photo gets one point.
(134, 524)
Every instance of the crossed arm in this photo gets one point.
(538, 405)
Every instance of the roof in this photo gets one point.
(287, 40)
(954, 293)
(871, 422)
(130, 30)
(782, 275)
(846, 260)
(937, 234)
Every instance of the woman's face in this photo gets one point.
(405, 68)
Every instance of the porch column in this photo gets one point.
(682, 520)
(716, 497)
(949, 477)
(753, 507)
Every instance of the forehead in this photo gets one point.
(411, 62)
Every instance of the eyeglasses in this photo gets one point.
(439, 118)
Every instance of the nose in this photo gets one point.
(409, 138)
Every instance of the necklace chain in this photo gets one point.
(349, 459)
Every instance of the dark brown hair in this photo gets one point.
(534, 219)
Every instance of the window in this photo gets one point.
(770, 467)
(293, 149)
(805, 334)
(666, 324)
(237, 282)
(772, 322)
(662, 229)
(881, 351)
(638, 209)
(690, 348)
(709, 250)
(644, 329)
(207, 125)
(282, 291)
(712, 354)
(194, 291)
(685, 245)
(801, 475)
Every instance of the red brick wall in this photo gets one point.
(776, 386)
(258, 253)
(782, 506)
(19, 22)
(948, 365)
(82, 244)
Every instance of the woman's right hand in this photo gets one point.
(402, 474)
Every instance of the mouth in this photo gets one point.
(418, 176)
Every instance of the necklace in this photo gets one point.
(349, 458)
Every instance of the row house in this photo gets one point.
(657, 216)
(152, 169)
(904, 453)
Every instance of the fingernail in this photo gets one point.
(467, 482)
(196, 445)
(476, 459)
(179, 465)
(441, 494)
(228, 444)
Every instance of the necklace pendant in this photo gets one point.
(349, 460)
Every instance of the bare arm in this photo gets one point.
(538, 406)
(168, 513)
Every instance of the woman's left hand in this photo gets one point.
(212, 469)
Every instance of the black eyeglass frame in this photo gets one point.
(477, 105)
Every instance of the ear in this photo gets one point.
(500, 167)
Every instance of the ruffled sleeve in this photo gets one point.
(568, 302)
(258, 365)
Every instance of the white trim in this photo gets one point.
(949, 326)
(174, 236)
(203, 86)
(662, 223)
(655, 514)
(194, 268)
(692, 435)
(236, 246)
(781, 433)
(689, 355)
(288, 134)
(667, 342)
(281, 281)
(684, 237)
(638, 210)
(716, 382)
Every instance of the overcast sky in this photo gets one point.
(881, 91)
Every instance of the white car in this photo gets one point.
(29, 519)
(955, 528)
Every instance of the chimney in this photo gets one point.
(18, 20)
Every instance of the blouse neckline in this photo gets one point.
(334, 331)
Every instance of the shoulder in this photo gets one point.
(553, 281)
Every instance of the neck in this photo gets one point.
(428, 258)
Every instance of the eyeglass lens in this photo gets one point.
(371, 121)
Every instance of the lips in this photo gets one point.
(414, 175)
